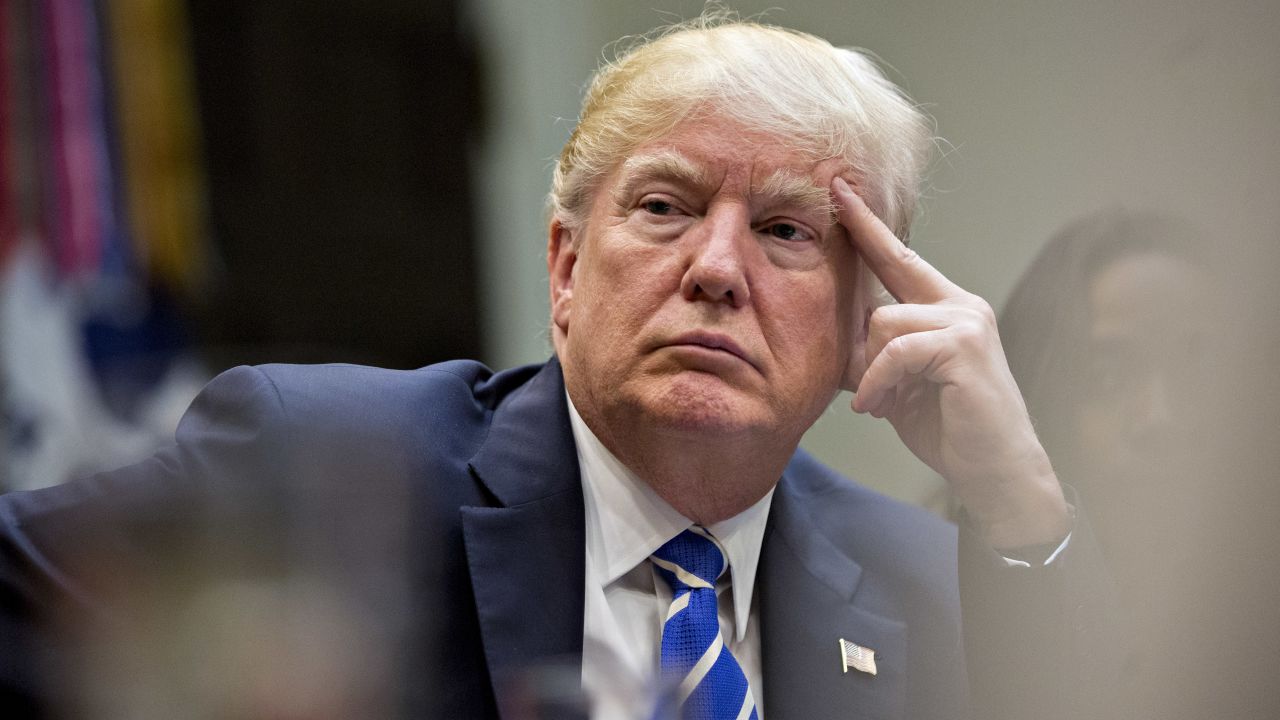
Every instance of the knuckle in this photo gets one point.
(865, 213)
(882, 318)
(908, 257)
(972, 316)
(977, 311)
(896, 348)
(970, 335)
(979, 305)
(985, 310)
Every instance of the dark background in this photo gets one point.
(336, 140)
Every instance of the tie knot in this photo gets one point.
(692, 559)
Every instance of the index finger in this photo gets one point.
(904, 273)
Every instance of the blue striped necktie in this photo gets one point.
(710, 683)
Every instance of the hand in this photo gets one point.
(934, 366)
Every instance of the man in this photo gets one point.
(721, 220)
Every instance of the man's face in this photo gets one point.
(710, 290)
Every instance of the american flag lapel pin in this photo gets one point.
(853, 655)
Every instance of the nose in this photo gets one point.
(717, 266)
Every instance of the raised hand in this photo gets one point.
(934, 367)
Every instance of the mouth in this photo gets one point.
(712, 345)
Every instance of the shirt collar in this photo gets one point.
(626, 521)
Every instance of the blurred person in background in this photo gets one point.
(1137, 359)
(330, 541)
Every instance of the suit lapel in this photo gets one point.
(808, 602)
(526, 556)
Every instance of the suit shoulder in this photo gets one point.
(818, 479)
(340, 384)
(449, 391)
(873, 522)
(336, 408)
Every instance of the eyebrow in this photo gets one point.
(788, 189)
(783, 188)
(666, 165)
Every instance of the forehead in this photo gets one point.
(1147, 294)
(716, 150)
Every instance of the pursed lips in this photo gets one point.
(713, 341)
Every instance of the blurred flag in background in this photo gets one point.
(103, 233)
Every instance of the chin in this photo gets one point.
(704, 403)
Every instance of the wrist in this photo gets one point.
(1039, 515)
(1033, 555)
(1023, 509)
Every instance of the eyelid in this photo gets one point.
(675, 202)
(803, 227)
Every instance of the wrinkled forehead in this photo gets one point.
(718, 154)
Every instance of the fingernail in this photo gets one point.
(840, 185)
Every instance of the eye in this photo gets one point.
(657, 207)
(787, 231)
(784, 231)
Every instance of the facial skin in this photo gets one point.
(1148, 345)
(708, 310)
(708, 303)
(1148, 434)
(1143, 422)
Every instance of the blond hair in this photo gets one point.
(830, 102)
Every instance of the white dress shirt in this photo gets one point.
(626, 601)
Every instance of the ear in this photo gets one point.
(562, 260)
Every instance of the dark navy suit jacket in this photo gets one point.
(449, 498)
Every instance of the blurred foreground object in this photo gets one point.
(1139, 360)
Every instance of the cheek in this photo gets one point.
(817, 329)
(621, 290)
(848, 305)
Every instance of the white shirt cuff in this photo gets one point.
(1052, 556)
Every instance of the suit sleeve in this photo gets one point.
(75, 558)
(1040, 642)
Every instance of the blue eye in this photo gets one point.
(657, 207)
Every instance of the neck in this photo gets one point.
(706, 476)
